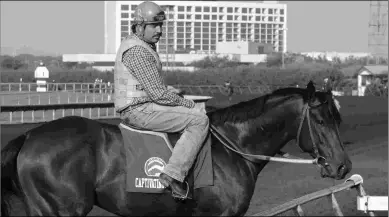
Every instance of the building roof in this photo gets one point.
(375, 69)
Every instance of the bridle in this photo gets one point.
(319, 160)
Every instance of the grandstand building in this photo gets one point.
(195, 27)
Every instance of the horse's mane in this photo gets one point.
(253, 108)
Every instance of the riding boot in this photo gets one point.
(179, 190)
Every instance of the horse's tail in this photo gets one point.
(10, 185)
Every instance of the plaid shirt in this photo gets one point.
(141, 63)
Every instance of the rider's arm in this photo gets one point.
(141, 63)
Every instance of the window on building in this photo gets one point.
(198, 9)
(124, 22)
(281, 11)
(229, 17)
(180, 41)
(197, 29)
(188, 35)
(214, 17)
(197, 41)
(237, 10)
(188, 41)
(213, 29)
(197, 35)
(282, 19)
(214, 9)
(197, 24)
(124, 34)
(221, 17)
(244, 10)
(229, 10)
(188, 8)
(205, 47)
(257, 10)
(181, 16)
(205, 29)
(206, 9)
(125, 7)
(188, 29)
(124, 28)
(189, 16)
(257, 18)
(270, 19)
(244, 18)
(270, 11)
(181, 8)
(125, 15)
(133, 7)
(206, 16)
(180, 35)
(221, 9)
(181, 23)
(198, 16)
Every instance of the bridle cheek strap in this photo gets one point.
(319, 159)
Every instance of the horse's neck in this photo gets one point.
(259, 137)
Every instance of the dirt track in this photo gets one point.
(367, 143)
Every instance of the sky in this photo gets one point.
(69, 27)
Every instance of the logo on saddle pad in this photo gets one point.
(154, 166)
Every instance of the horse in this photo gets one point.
(66, 166)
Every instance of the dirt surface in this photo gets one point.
(365, 135)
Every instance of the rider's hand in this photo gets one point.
(175, 90)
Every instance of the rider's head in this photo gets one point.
(148, 20)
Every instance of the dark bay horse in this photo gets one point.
(66, 166)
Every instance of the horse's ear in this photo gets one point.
(311, 90)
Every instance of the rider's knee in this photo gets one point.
(201, 120)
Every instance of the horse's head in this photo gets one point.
(318, 133)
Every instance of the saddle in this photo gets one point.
(147, 153)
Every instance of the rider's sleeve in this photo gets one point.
(141, 63)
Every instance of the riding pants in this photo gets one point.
(193, 122)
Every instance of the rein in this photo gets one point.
(256, 158)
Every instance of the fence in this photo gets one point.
(17, 114)
(104, 88)
(354, 182)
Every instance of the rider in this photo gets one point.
(144, 101)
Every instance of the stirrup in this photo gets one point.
(177, 196)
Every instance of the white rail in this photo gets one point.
(355, 181)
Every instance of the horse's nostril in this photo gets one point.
(341, 170)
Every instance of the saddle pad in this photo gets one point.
(146, 156)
